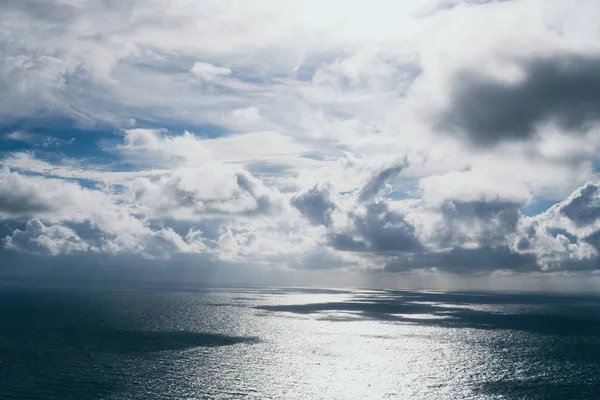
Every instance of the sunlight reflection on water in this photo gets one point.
(286, 344)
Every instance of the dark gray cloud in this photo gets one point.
(562, 89)
(374, 186)
(583, 207)
(20, 203)
(315, 204)
(374, 227)
(575, 264)
(386, 230)
(593, 239)
(466, 261)
(481, 209)
(554, 232)
(378, 230)
(523, 243)
(42, 10)
(489, 222)
(346, 242)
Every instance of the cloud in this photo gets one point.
(323, 258)
(376, 229)
(247, 115)
(60, 200)
(375, 185)
(40, 239)
(21, 195)
(21, 136)
(165, 149)
(583, 206)
(467, 237)
(267, 200)
(565, 236)
(214, 189)
(207, 71)
(562, 89)
(153, 147)
(365, 223)
(103, 221)
(315, 204)
(482, 222)
(466, 260)
(302, 137)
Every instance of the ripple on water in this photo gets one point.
(280, 344)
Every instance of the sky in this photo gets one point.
(422, 143)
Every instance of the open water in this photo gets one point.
(296, 344)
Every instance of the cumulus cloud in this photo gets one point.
(583, 206)
(316, 204)
(376, 229)
(104, 222)
(26, 195)
(211, 190)
(476, 222)
(565, 236)
(365, 223)
(41, 239)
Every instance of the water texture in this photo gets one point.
(266, 343)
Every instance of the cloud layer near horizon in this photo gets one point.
(421, 137)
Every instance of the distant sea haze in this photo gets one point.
(289, 343)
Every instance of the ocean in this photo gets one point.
(291, 343)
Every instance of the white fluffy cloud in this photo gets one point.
(566, 235)
(208, 71)
(38, 238)
(211, 190)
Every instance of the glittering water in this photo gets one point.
(296, 344)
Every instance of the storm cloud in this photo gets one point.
(563, 89)
(466, 261)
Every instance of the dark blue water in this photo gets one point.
(296, 344)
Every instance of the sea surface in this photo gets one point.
(270, 343)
